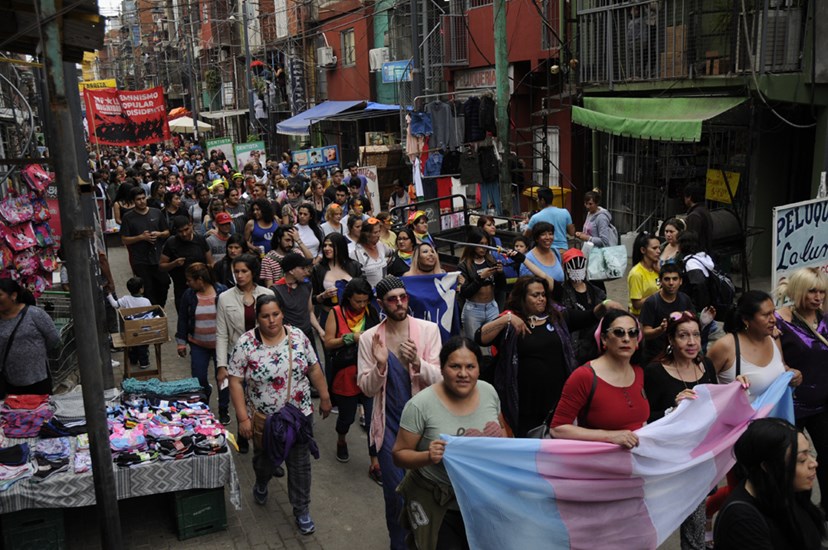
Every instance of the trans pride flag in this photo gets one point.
(532, 493)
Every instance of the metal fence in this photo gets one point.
(63, 361)
(667, 39)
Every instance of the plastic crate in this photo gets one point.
(36, 529)
(199, 512)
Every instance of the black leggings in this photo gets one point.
(44, 387)
(347, 414)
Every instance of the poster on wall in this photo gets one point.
(223, 144)
(318, 157)
(244, 151)
(800, 237)
(716, 186)
(126, 118)
(371, 176)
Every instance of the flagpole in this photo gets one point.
(88, 112)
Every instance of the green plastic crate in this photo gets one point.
(199, 512)
(35, 529)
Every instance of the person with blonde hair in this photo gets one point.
(803, 327)
(424, 261)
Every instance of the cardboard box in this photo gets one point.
(675, 39)
(143, 331)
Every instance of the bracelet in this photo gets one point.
(242, 421)
(605, 302)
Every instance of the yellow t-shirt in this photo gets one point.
(641, 283)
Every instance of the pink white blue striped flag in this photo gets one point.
(555, 493)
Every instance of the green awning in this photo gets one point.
(663, 119)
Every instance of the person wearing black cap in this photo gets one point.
(396, 359)
(296, 293)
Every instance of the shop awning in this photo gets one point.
(224, 114)
(663, 119)
(299, 125)
(371, 110)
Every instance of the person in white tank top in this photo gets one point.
(754, 325)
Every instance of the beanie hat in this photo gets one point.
(387, 284)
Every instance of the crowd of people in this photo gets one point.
(295, 286)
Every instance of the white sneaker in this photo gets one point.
(115, 364)
(144, 367)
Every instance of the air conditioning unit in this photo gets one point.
(325, 57)
(377, 57)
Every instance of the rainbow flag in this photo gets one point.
(555, 493)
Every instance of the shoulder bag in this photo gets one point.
(544, 431)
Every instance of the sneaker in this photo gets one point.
(362, 423)
(143, 367)
(305, 524)
(115, 364)
(244, 445)
(375, 473)
(278, 471)
(260, 494)
(224, 416)
(334, 410)
(342, 451)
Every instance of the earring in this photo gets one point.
(669, 349)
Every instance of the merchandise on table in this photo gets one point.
(23, 415)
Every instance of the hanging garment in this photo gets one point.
(470, 168)
(443, 123)
(490, 195)
(417, 177)
(413, 144)
(451, 163)
(489, 167)
(471, 111)
(421, 124)
(434, 164)
(488, 120)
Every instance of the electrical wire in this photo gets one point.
(751, 59)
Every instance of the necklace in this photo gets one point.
(678, 371)
(537, 320)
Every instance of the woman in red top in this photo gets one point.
(618, 406)
(345, 323)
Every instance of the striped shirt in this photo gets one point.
(204, 333)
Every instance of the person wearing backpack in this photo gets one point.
(706, 285)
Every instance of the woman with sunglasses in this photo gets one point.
(617, 406)
(803, 330)
(400, 261)
(424, 261)
(669, 380)
(535, 353)
(371, 253)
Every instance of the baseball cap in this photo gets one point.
(294, 260)
(223, 217)
(571, 254)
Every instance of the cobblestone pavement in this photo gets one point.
(346, 505)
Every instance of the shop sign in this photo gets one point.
(800, 237)
(471, 79)
(318, 157)
(223, 144)
(716, 188)
(245, 150)
(396, 71)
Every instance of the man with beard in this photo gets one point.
(397, 358)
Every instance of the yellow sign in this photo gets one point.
(88, 65)
(97, 84)
(716, 190)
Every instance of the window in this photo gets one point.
(281, 19)
(348, 48)
(553, 156)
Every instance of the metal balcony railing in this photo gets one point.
(455, 40)
(667, 39)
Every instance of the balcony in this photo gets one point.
(677, 39)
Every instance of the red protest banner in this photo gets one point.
(119, 117)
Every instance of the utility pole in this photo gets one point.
(77, 241)
(502, 78)
(247, 60)
(189, 36)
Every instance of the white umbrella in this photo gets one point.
(185, 125)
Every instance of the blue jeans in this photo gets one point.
(476, 315)
(199, 363)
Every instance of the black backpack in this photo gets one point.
(721, 289)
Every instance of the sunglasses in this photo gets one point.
(619, 332)
(399, 299)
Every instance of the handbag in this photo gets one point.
(544, 431)
(606, 263)
(40, 209)
(19, 237)
(36, 177)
